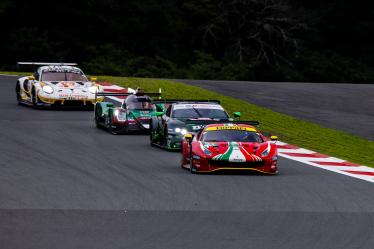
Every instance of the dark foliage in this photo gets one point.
(303, 40)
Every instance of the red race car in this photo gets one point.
(229, 146)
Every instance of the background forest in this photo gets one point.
(267, 40)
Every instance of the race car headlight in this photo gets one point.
(93, 89)
(121, 116)
(208, 152)
(47, 89)
(180, 131)
(265, 152)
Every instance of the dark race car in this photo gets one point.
(168, 128)
(229, 146)
(133, 115)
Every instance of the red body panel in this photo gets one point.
(214, 156)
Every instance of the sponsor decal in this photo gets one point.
(231, 127)
(72, 97)
(198, 106)
(197, 127)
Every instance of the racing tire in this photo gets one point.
(109, 125)
(165, 139)
(96, 118)
(182, 162)
(192, 168)
(18, 93)
(151, 140)
(97, 123)
(34, 98)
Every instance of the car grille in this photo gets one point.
(216, 163)
(72, 103)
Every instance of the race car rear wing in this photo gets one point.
(171, 101)
(116, 94)
(47, 64)
(207, 122)
(198, 125)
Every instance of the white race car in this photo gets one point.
(57, 84)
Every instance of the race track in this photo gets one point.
(65, 184)
(345, 107)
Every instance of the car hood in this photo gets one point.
(191, 127)
(69, 84)
(234, 151)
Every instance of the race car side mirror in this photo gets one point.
(159, 107)
(93, 79)
(274, 138)
(159, 114)
(237, 114)
(188, 137)
(31, 78)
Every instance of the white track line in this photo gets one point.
(337, 169)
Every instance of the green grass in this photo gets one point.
(289, 129)
(16, 73)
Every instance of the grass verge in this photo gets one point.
(289, 129)
(15, 73)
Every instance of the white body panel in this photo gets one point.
(62, 90)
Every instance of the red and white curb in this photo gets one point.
(325, 162)
(290, 151)
(110, 88)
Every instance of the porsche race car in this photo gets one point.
(229, 146)
(56, 84)
(168, 128)
(132, 115)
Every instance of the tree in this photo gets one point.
(253, 30)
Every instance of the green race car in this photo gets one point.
(132, 115)
(168, 128)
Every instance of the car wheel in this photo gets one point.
(97, 117)
(18, 92)
(97, 122)
(151, 134)
(109, 124)
(192, 168)
(125, 130)
(34, 98)
(165, 139)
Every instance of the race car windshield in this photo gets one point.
(63, 76)
(231, 136)
(199, 113)
(140, 103)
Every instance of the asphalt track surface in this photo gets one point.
(65, 184)
(345, 107)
